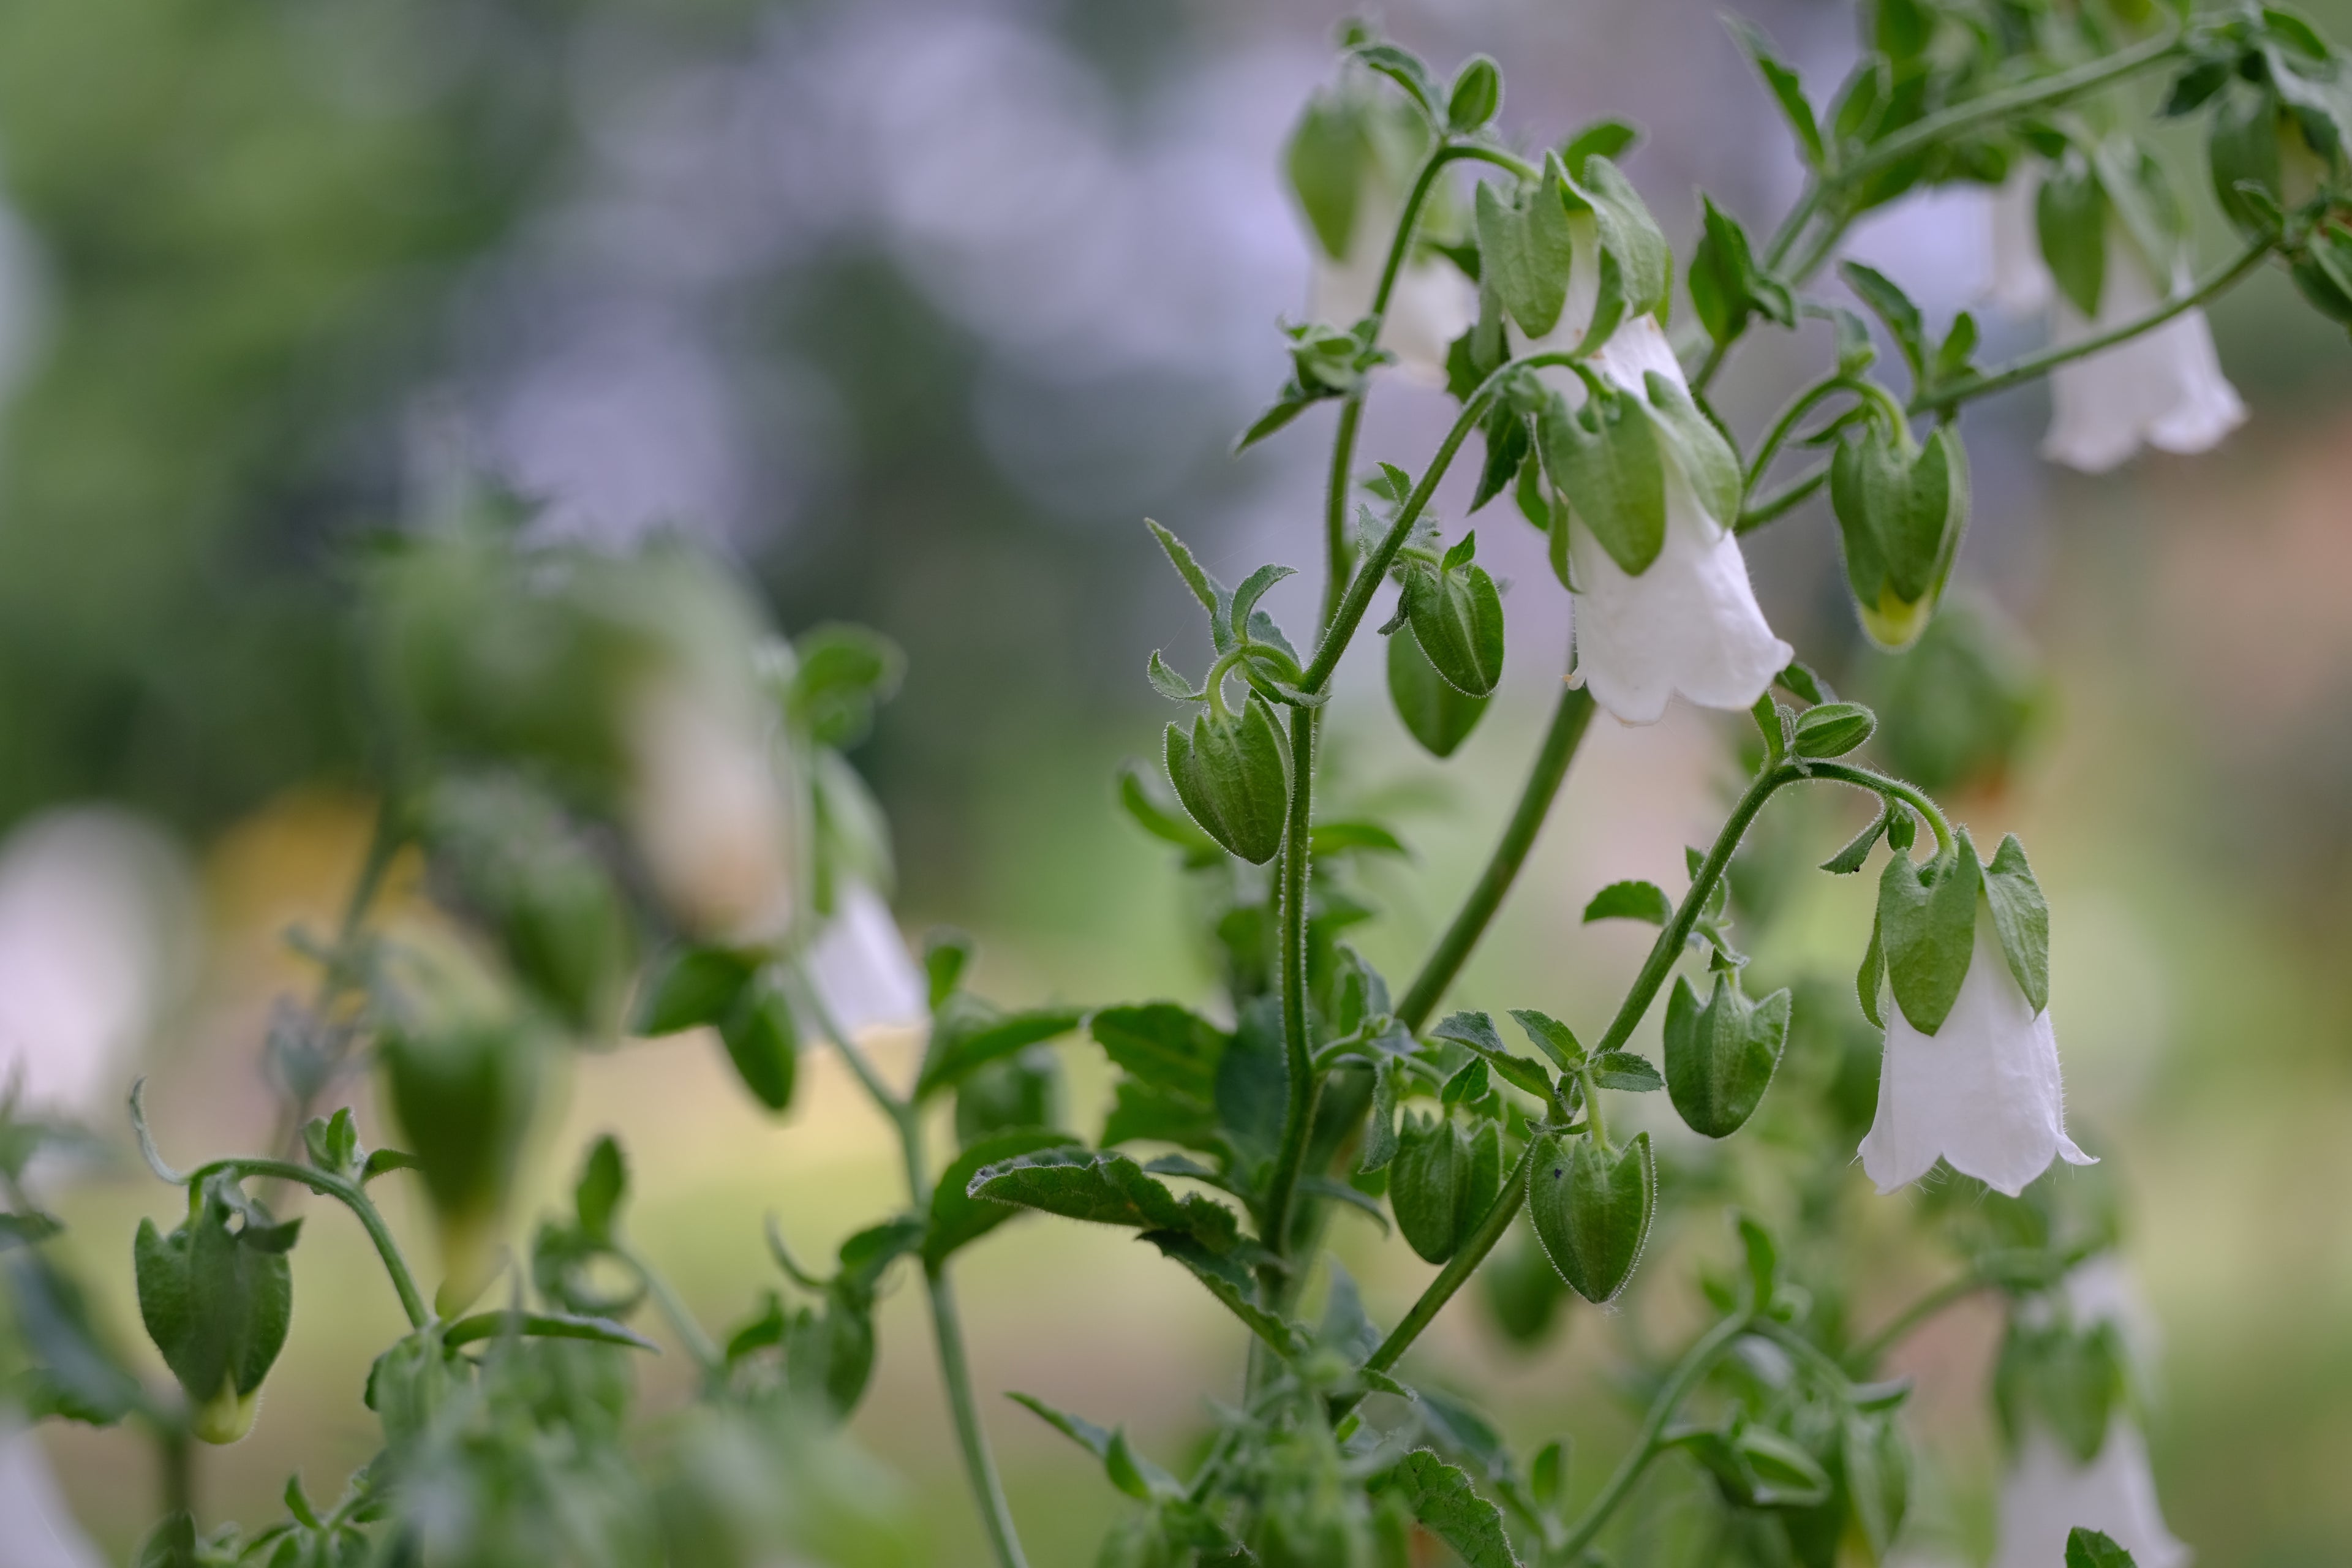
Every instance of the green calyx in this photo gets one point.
(1591, 1207)
(1233, 775)
(217, 1297)
(1442, 1180)
(1901, 509)
(1721, 1055)
(1926, 932)
(1455, 613)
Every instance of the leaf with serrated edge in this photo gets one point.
(1443, 1499)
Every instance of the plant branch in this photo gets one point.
(1684, 1377)
(697, 1339)
(351, 1196)
(1944, 399)
(1783, 501)
(1885, 787)
(1298, 1050)
(1866, 1354)
(1568, 721)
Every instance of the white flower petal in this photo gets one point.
(2046, 1495)
(36, 1529)
(1688, 624)
(2164, 388)
(863, 973)
(1431, 304)
(708, 811)
(1982, 1092)
(2021, 280)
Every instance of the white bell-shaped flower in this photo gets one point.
(1689, 622)
(862, 970)
(36, 1529)
(1983, 1091)
(708, 810)
(2163, 388)
(2047, 1494)
(1431, 304)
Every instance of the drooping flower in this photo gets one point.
(1687, 623)
(1352, 161)
(861, 968)
(2047, 1493)
(708, 810)
(2163, 388)
(1983, 1091)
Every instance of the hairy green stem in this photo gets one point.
(1783, 501)
(1785, 426)
(1884, 787)
(1568, 721)
(1298, 1050)
(1943, 399)
(351, 1196)
(1338, 555)
(1457, 1270)
(947, 1321)
(1684, 1377)
(1669, 945)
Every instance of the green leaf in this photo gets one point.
(1607, 455)
(334, 1143)
(842, 674)
(691, 986)
(2070, 216)
(1107, 1188)
(1702, 450)
(1602, 139)
(1926, 918)
(967, 1033)
(1443, 1499)
(1632, 900)
(1629, 234)
(545, 1326)
(1403, 68)
(2022, 917)
(1204, 588)
(1253, 588)
(1326, 159)
(947, 953)
(1627, 1071)
(1476, 94)
(1434, 711)
(1833, 728)
(1164, 821)
(1165, 1046)
(1525, 244)
(380, 1161)
(1551, 1037)
(1870, 979)
(957, 1218)
(1280, 413)
(1381, 1131)
(1354, 835)
(27, 1229)
(1726, 285)
(604, 1182)
(1229, 1279)
(1167, 682)
(1893, 306)
(1851, 859)
(2088, 1547)
(763, 1042)
(1787, 89)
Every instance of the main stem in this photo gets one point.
(947, 1321)
(1298, 1050)
(1569, 720)
(1461, 1266)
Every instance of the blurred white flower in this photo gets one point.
(2163, 389)
(1689, 622)
(710, 812)
(862, 970)
(1431, 304)
(1983, 1091)
(97, 920)
(2047, 1494)
(36, 1529)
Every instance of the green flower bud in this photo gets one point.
(462, 1071)
(1720, 1056)
(1435, 711)
(1442, 1182)
(1901, 509)
(1456, 615)
(1234, 776)
(1592, 1209)
(216, 1298)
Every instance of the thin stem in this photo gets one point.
(1299, 1113)
(1460, 1267)
(947, 1321)
(1866, 1354)
(1942, 399)
(1669, 945)
(175, 1458)
(352, 1197)
(689, 1331)
(1686, 1374)
(1568, 721)
(1881, 784)
(1785, 426)
(1337, 556)
(1783, 501)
